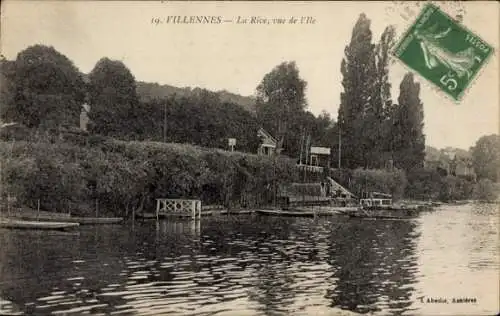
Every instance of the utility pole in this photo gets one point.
(308, 143)
(340, 146)
(165, 122)
(301, 147)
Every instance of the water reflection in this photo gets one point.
(249, 265)
(376, 268)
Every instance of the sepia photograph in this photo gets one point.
(219, 158)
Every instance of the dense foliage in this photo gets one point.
(486, 157)
(125, 176)
(200, 119)
(408, 140)
(360, 181)
(44, 92)
(374, 130)
(358, 71)
(113, 99)
(41, 88)
(281, 110)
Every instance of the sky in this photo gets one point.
(235, 57)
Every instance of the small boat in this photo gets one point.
(72, 219)
(96, 220)
(380, 206)
(237, 212)
(288, 213)
(384, 213)
(33, 215)
(39, 225)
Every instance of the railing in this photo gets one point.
(178, 207)
(310, 168)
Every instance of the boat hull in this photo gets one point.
(384, 213)
(38, 225)
(285, 213)
(77, 220)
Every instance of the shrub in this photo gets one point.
(378, 180)
(455, 188)
(423, 184)
(485, 190)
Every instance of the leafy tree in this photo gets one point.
(357, 69)
(486, 157)
(382, 95)
(381, 103)
(44, 89)
(423, 184)
(113, 98)
(280, 103)
(408, 139)
(7, 90)
(201, 119)
(455, 188)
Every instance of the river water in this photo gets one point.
(251, 265)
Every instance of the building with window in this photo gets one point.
(320, 157)
(268, 143)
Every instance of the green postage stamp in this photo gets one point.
(443, 51)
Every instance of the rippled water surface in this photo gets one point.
(255, 265)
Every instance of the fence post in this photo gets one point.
(133, 215)
(38, 211)
(157, 209)
(8, 205)
(193, 209)
(96, 207)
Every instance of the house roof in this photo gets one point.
(266, 134)
(86, 107)
(336, 186)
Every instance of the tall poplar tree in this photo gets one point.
(408, 135)
(376, 129)
(357, 67)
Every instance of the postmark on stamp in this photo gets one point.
(443, 51)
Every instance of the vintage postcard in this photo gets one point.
(249, 158)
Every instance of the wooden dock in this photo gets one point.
(178, 208)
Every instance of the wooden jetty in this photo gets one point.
(179, 208)
(38, 225)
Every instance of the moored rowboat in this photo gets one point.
(77, 220)
(40, 225)
(286, 213)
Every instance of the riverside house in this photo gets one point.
(268, 144)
